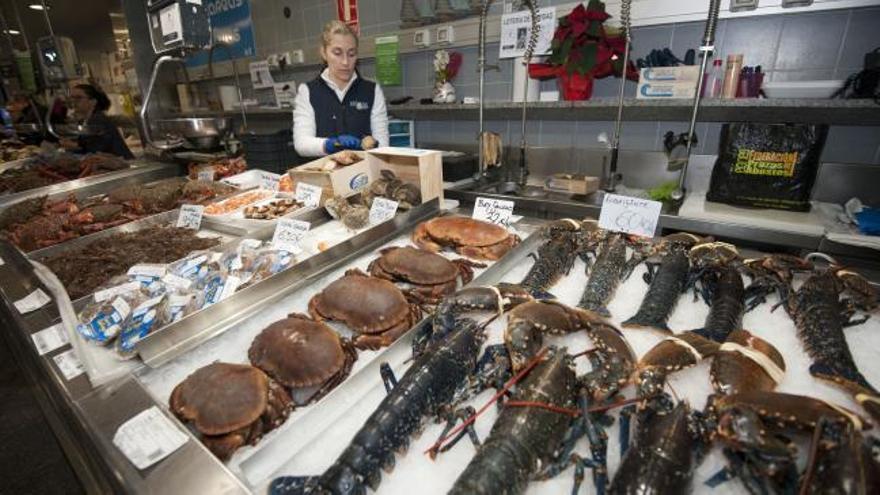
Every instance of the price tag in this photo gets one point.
(33, 301)
(147, 270)
(269, 181)
(288, 234)
(110, 293)
(190, 216)
(630, 215)
(148, 438)
(495, 211)
(308, 194)
(206, 174)
(382, 210)
(69, 364)
(49, 339)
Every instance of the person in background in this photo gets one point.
(24, 110)
(89, 105)
(337, 109)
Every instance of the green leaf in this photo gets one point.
(588, 58)
(558, 57)
(594, 29)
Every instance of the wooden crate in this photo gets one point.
(572, 184)
(424, 168)
(344, 181)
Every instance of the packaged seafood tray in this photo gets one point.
(262, 214)
(228, 207)
(349, 414)
(251, 336)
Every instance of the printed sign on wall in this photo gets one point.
(230, 23)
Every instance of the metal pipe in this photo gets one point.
(145, 120)
(481, 66)
(625, 23)
(51, 104)
(27, 45)
(707, 49)
(234, 73)
(527, 57)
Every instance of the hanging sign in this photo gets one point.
(347, 12)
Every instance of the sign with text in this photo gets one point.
(497, 211)
(516, 29)
(289, 233)
(382, 210)
(190, 216)
(49, 339)
(630, 215)
(308, 194)
(269, 181)
(148, 438)
(231, 25)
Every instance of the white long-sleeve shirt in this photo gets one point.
(305, 129)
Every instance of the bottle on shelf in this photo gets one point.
(712, 80)
(731, 76)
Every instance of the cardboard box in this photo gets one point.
(343, 181)
(423, 168)
(572, 184)
(668, 82)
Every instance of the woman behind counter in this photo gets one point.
(337, 109)
(89, 104)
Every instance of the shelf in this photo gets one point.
(813, 111)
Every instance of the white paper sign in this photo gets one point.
(288, 234)
(206, 174)
(190, 216)
(111, 292)
(285, 94)
(169, 20)
(2, 262)
(260, 75)
(308, 194)
(382, 210)
(630, 215)
(269, 181)
(49, 339)
(516, 29)
(497, 211)
(32, 302)
(69, 364)
(148, 438)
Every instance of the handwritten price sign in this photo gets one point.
(630, 215)
(308, 194)
(382, 210)
(289, 233)
(497, 211)
(206, 174)
(190, 216)
(269, 181)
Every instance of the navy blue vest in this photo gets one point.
(350, 116)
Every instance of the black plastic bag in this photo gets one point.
(767, 165)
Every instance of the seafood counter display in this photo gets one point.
(722, 392)
(44, 170)
(312, 340)
(222, 168)
(39, 222)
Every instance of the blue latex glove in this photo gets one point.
(343, 142)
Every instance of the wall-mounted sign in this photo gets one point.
(231, 24)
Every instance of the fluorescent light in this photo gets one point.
(37, 6)
(11, 31)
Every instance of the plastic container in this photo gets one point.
(731, 76)
(271, 152)
(802, 89)
(713, 80)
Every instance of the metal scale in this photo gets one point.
(178, 28)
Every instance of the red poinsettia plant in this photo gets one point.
(582, 51)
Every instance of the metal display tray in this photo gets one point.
(140, 172)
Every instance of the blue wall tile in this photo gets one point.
(811, 41)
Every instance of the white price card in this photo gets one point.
(308, 194)
(153, 270)
(49, 339)
(111, 292)
(190, 216)
(630, 215)
(206, 174)
(382, 210)
(288, 234)
(69, 364)
(32, 302)
(269, 181)
(497, 211)
(148, 438)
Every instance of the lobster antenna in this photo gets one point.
(811, 460)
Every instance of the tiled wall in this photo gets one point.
(820, 45)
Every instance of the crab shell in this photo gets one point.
(367, 305)
(470, 237)
(298, 352)
(413, 265)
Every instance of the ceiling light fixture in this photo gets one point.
(11, 31)
(37, 6)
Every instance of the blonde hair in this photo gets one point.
(336, 27)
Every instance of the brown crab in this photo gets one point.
(304, 355)
(469, 237)
(432, 276)
(230, 405)
(373, 308)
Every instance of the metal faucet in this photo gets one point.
(145, 119)
(527, 57)
(707, 48)
(241, 107)
(481, 67)
(625, 24)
